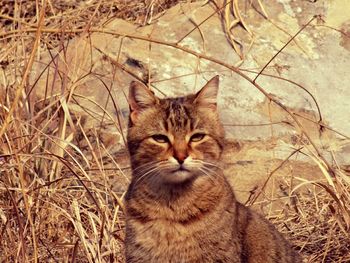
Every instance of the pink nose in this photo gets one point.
(180, 156)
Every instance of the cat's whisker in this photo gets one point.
(149, 177)
(212, 165)
(143, 171)
(208, 173)
(149, 165)
(153, 170)
(145, 165)
(209, 168)
(144, 175)
(205, 163)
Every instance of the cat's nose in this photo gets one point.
(180, 156)
(180, 161)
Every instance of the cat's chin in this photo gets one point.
(178, 176)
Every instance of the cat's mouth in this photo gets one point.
(179, 175)
(182, 168)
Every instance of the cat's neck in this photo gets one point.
(181, 202)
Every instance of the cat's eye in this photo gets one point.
(160, 138)
(197, 137)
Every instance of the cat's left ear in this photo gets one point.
(207, 96)
(140, 98)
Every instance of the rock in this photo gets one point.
(100, 65)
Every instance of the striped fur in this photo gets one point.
(180, 207)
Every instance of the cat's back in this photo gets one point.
(261, 242)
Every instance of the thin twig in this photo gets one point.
(285, 45)
(209, 58)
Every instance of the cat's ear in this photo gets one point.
(140, 98)
(207, 96)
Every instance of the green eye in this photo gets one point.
(197, 137)
(160, 138)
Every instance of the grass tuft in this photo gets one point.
(63, 176)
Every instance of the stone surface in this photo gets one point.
(318, 59)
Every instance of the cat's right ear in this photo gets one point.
(140, 98)
(207, 96)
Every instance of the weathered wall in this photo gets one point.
(318, 59)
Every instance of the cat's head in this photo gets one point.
(173, 140)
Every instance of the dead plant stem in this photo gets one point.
(285, 45)
(205, 57)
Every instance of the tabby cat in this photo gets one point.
(179, 206)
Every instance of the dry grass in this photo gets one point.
(58, 198)
(315, 224)
(62, 182)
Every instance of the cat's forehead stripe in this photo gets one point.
(177, 114)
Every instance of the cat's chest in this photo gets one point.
(163, 231)
(176, 242)
(169, 241)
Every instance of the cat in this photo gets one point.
(179, 206)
